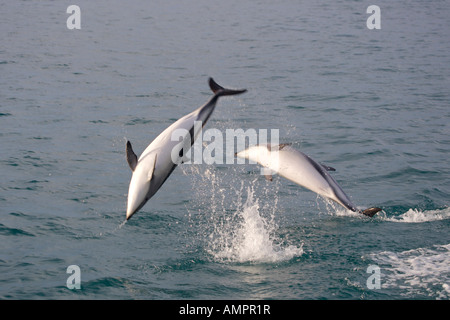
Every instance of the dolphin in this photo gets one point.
(303, 170)
(161, 157)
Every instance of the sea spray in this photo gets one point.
(237, 220)
(114, 230)
(249, 237)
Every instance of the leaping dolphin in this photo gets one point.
(301, 169)
(156, 163)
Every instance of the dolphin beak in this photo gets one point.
(129, 215)
(241, 154)
(132, 209)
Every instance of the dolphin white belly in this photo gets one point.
(301, 169)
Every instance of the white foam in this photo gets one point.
(334, 209)
(423, 271)
(416, 216)
(410, 216)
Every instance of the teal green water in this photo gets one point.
(374, 104)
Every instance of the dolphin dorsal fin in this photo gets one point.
(131, 157)
(282, 145)
(277, 147)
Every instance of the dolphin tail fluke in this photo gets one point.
(370, 212)
(221, 91)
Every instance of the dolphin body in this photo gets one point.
(301, 169)
(157, 161)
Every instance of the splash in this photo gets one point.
(334, 209)
(248, 236)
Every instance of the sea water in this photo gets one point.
(372, 103)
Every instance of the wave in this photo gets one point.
(422, 271)
(7, 231)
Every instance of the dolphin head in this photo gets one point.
(255, 153)
(266, 155)
(142, 185)
(137, 192)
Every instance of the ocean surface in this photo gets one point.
(372, 103)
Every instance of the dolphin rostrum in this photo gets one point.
(161, 157)
(301, 169)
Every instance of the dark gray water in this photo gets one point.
(374, 104)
